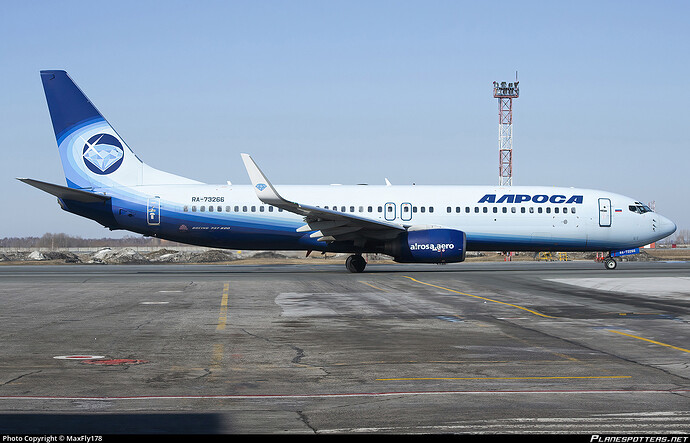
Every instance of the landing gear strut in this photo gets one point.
(610, 263)
(355, 263)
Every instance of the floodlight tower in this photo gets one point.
(505, 93)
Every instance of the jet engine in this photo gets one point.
(435, 245)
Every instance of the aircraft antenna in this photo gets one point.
(505, 93)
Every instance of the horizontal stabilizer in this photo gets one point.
(66, 193)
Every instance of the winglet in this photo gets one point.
(263, 187)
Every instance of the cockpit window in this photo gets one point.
(639, 208)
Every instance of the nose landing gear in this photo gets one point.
(610, 263)
(355, 263)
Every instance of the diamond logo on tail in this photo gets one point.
(261, 186)
(103, 154)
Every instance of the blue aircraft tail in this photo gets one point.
(93, 155)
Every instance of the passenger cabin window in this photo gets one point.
(185, 209)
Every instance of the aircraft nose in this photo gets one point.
(666, 226)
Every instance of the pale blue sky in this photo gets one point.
(351, 92)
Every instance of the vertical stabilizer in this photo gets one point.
(93, 155)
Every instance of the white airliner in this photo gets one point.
(108, 183)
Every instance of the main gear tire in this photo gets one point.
(355, 263)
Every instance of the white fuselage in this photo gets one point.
(493, 218)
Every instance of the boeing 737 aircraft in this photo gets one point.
(108, 183)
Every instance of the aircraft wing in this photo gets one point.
(329, 225)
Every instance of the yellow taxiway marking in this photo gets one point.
(507, 378)
(217, 358)
(482, 298)
(650, 341)
(223, 316)
(375, 287)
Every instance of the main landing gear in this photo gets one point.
(355, 263)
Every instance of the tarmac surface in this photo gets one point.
(498, 348)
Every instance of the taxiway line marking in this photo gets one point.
(353, 394)
(223, 316)
(375, 287)
(650, 341)
(507, 378)
(482, 298)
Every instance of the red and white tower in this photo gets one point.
(505, 93)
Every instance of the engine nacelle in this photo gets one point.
(438, 245)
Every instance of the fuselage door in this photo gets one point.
(604, 212)
(406, 211)
(153, 211)
(389, 211)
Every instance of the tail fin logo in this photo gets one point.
(103, 154)
(261, 186)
